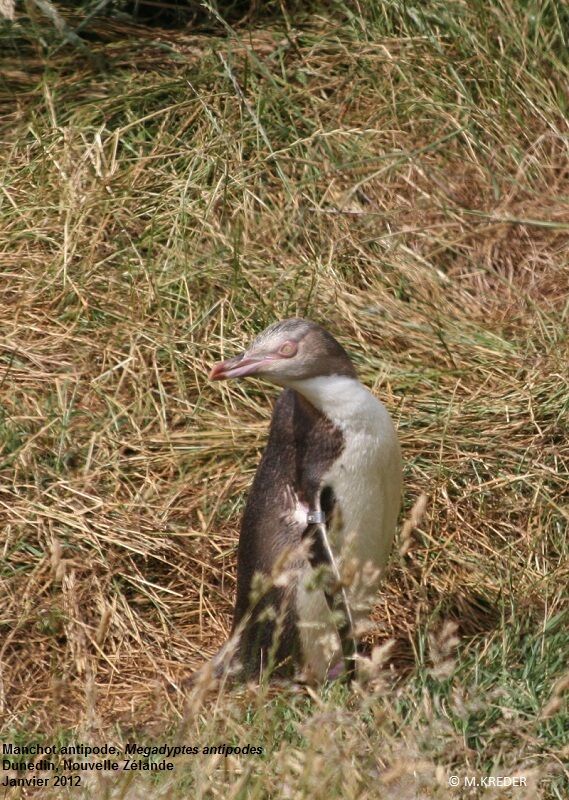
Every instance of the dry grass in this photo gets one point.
(404, 181)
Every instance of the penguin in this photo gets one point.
(323, 505)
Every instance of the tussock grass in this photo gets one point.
(398, 173)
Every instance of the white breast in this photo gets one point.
(367, 482)
(367, 478)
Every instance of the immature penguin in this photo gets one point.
(333, 457)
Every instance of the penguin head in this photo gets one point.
(288, 352)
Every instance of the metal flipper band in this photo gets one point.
(316, 517)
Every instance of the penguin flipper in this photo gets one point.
(320, 554)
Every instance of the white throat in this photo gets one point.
(345, 401)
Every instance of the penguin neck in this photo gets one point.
(344, 400)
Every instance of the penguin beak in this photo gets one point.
(238, 367)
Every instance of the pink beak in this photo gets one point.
(237, 367)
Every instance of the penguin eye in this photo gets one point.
(288, 349)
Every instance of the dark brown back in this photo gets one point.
(302, 445)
